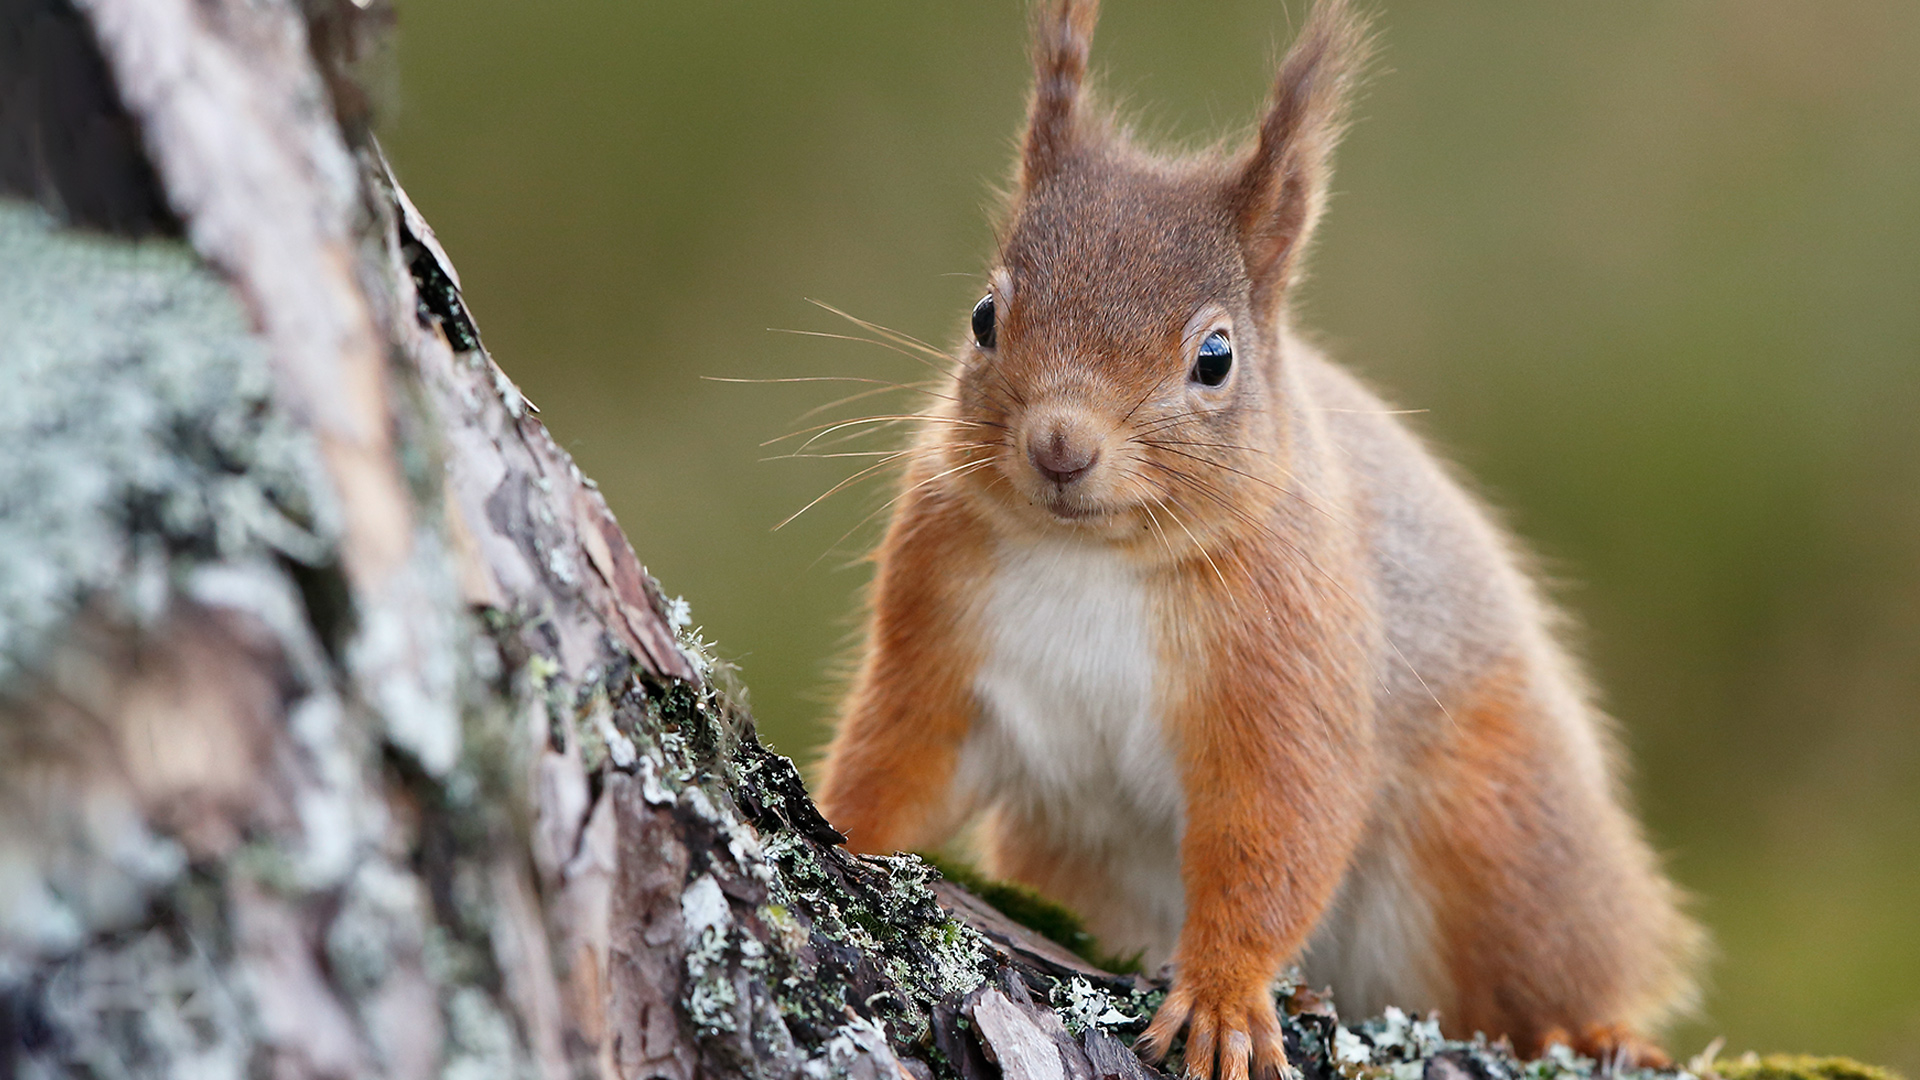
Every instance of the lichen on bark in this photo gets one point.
(788, 955)
(137, 428)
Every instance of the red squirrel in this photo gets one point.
(1221, 655)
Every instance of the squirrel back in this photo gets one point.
(1224, 656)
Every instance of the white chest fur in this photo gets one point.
(1069, 735)
(1070, 738)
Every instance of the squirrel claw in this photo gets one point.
(1229, 1037)
(1613, 1045)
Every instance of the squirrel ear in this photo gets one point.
(1062, 31)
(1280, 189)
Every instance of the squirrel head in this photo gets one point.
(1123, 368)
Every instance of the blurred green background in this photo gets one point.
(1653, 269)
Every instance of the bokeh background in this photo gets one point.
(1652, 268)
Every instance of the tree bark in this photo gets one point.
(341, 731)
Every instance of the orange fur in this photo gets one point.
(887, 772)
(1163, 618)
(1277, 765)
(1539, 939)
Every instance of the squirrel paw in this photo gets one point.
(1611, 1044)
(1237, 1029)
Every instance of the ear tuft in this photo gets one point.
(1062, 33)
(1282, 187)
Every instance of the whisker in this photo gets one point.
(806, 378)
(1280, 488)
(880, 386)
(905, 340)
(1162, 533)
(1144, 398)
(863, 395)
(1185, 416)
(841, 454)
(1162, 424)
(957, 469)
(881, 418)
(1421, 679)
(883, 507)
(888, 459)
(1202, 488)
(914, 355)
(841, 486)
(1168, 423)
(1218, 465)
(879, 453)
(1228, 506)
(1201, 445)
(909, 341)
(1228, 589)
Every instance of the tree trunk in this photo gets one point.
(341, 732)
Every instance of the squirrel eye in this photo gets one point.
(1215, 360)
(983, 322)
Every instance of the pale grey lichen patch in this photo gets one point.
(406, 655)
(334, 820)
(1397, 1032)
(34, 920)
(858, 1048)
(1400, 1046)
(135, 427)
(383, 916)
(959, 950)
(122, 1007)
(1394, 1046)
(620, 749)
(76, 859)
(1082, 1005)
(711, 999)
(483, 1045)
(924, 955)
(1350, 1051)
(679, 614)
(703, 907)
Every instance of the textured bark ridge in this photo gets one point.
(341, 731)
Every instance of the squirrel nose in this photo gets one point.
(1060, 459)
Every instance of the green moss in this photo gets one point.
(1799, 1067)
(1035, 912)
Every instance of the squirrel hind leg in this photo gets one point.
(1616, 1045)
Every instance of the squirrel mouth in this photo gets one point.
(1068, 509)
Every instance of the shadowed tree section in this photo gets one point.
(64, 139)
(341, 731)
